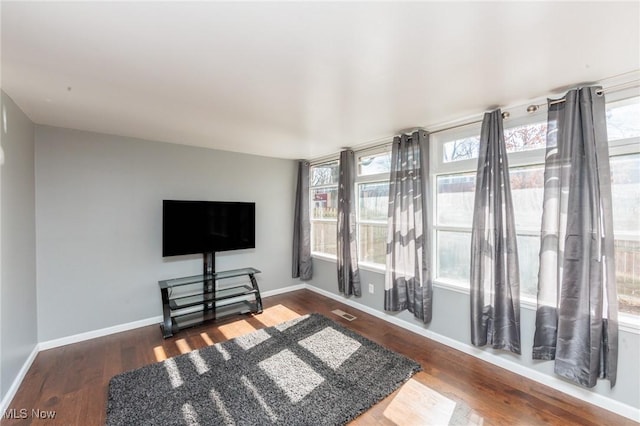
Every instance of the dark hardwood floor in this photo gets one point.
(73, 380)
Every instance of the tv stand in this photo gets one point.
(191, 301)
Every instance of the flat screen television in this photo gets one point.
(192, 227)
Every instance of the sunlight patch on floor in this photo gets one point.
(275, 315)
(198, 362)
(293, 376)
(227, 418)
(288, 324)
(207, 339)
(330, 346)
(235, 329)
(183, 346)
(475, 419)
(160, 354)
(174, 374)
(416, 404)
(189, 414)
(252, 340)
(256, 393)
(223, 352)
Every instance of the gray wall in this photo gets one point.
(18, 326)
(451, 319)
(99, 221)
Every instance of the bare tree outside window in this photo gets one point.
(324, 174)
(521, 138)
(461, 149)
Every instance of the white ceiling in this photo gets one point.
(299, 79)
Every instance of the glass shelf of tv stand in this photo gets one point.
(195, 306)
(201, 298)
(198, 317)
(195, 279)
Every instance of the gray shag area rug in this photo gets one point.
(307, 371)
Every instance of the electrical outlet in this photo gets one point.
(370, 288)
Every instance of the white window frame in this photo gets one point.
(359, 180)
(312, 220)
(438, 167)
(628, 146)
(365, 179)
(628, 322)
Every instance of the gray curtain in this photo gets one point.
(348, 272)
(301, 262)
(577, 315)
(408, 276)
(495, 284)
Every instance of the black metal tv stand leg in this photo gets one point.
(254, 284)
(167, 323)
(208, 268)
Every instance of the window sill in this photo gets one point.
(323, 256)
(626, 322)
(451, 285)
(629, 323)
(372, 267)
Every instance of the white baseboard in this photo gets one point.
(11, 392)
(50, 344)
(283, 290)
(583, 394)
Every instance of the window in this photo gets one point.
(453, 169)
(372, 190)
(455, 195)
(372, 185)
(454, 199)
(623, 129)
(623, 119)
(323, 187)
(625, 188)
(517, 139)
(455, 161)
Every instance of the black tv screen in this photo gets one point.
(191, 227)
